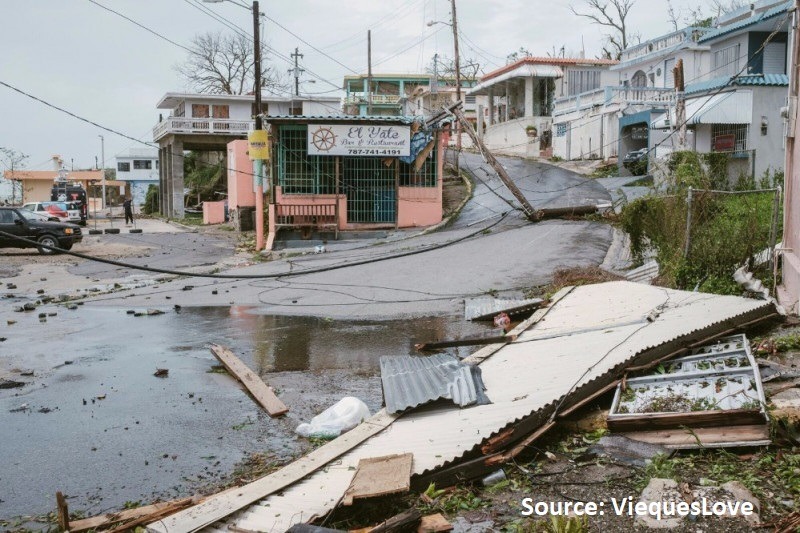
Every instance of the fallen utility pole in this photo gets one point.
(530, 212)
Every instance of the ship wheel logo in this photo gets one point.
(323, 139)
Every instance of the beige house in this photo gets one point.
(36, 184)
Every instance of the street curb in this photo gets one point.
(184, 227)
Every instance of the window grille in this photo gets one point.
(425, 177)
(142, 164)
(720, 131)
(370, 189)
(298, 172)
(561, 129)
(124, 167)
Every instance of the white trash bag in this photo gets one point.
(342, 416)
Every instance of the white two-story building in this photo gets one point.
(735, 85)
(518, 113)
(138, 168)
(208, 122)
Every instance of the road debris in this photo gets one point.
(262, 393)
(161, 372)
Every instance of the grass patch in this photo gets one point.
(571, 277)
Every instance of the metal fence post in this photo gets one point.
(688, 223)
(773, 229)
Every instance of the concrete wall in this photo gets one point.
(213, 212)
(134, 174)
(240, 179)
(588, 134)
(511, 138)
(770, 148)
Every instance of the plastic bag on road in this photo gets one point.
(342, 416)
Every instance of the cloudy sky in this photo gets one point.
(99, 66)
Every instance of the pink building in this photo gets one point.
(347, 173)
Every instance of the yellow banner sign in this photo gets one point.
(259, 144)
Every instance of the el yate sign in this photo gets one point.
(359, 140)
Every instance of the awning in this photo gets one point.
(522, 71)
(734, 107)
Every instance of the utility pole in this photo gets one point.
(680, 103)
(369, 72)
(529, 210)
(296, 70)
(103, 176)
(435, 84)
(258, 164)
(458, 75)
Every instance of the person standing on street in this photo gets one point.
(127, 205)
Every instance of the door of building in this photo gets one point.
(369, 185)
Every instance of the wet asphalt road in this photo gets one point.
(314, 336)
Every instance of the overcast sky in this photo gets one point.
(80, 57)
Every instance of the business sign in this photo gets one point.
(724, 143)
(359, 140)
(258, 144)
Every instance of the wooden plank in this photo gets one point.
(470, 341)
(260, 391)
(646, 421)
(402, 521)
(219, 506)
(684, 438)
(434, 523)
(155, 515)
(379, 476)
(107, 519)
(63, 512)
(488, 351)
(519, 448)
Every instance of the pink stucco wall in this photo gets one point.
(240, 179)
(213, 212)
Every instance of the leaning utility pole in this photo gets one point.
(369, 72)
(296, 70)
(530, 212)
(680, 103)
(458, 73)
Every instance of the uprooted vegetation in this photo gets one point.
(724, 230)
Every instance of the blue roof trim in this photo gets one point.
(343, 118)
(730, 28)
(758, 80)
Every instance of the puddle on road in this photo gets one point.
(96, 424)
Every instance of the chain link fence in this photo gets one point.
(700, 237)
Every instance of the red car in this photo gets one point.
(52, 209)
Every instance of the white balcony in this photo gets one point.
(201, 126)
(606, 96)
(376, 99)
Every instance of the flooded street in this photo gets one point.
(94, 423)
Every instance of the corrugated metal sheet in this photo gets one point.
(522, 71)
(643, 274)
(341, 118)
(730, 28)
(487, 308)
(412, 381)
(749, 80)
(528, 376)
(734, 107)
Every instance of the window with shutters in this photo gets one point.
(774, 58)
(581, 81)
(669, 75)
(726, 61)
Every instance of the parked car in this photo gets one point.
(56, 209)
(18, 222)
(635, 155)
(636, 161)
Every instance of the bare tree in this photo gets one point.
(721, 7)
(519, 54)
(224, 64)
(13, 161)
(445, 67)
(612, 14)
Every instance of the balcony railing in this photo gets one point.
(614, 95)
(376, 99)
(185, 125)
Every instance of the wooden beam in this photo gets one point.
(398, 522)
(683, 438)
(379, 476)
(434, 523)
(220, 505)
(107, 519)
(470, 341)
(645, 421)
(63, 512)
(484, 353)
(152, 517)
(519, 448)
(260, 391)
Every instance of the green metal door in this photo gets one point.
(370, 189)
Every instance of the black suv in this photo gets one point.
(18, 222)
